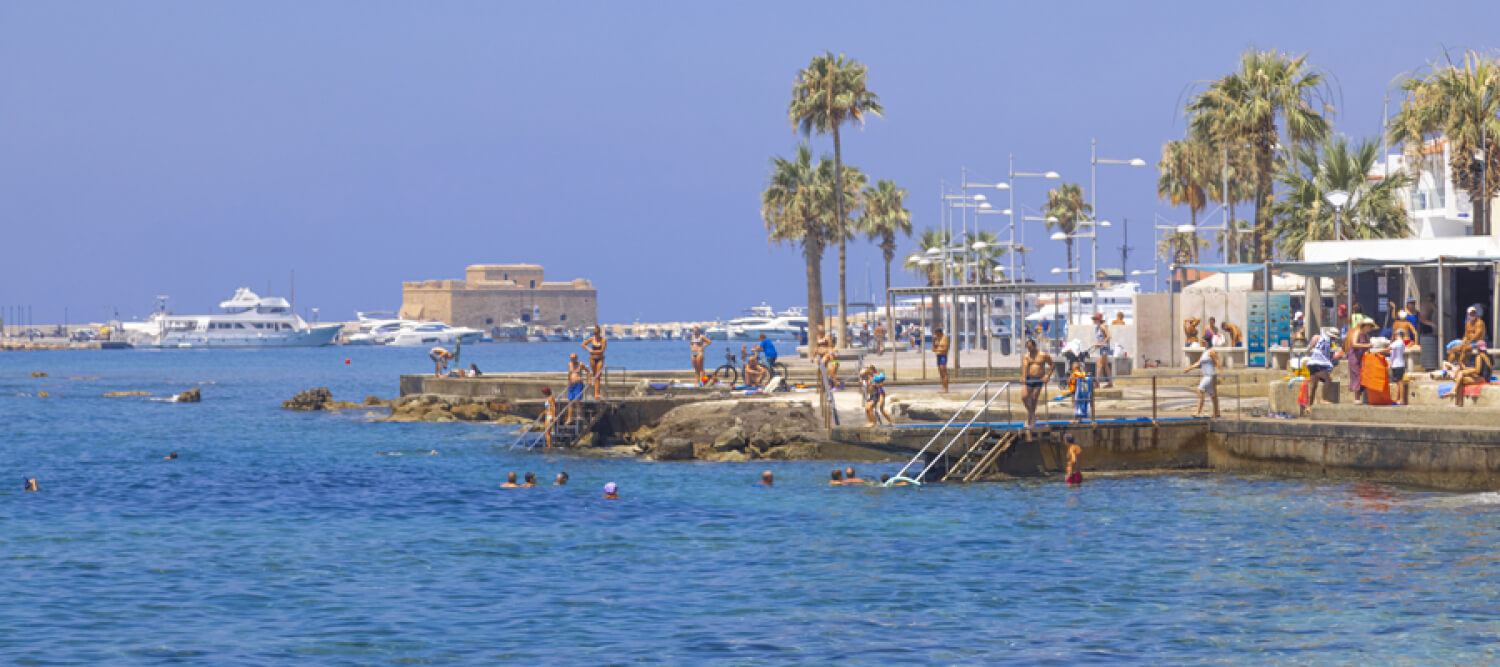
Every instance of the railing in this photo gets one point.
(555, 419)
(960, 434)
(939, 434)
(1165, 391)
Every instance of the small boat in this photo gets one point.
(420, 334)
(510, 332)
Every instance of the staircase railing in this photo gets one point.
(522, 435)
(960, 434)
(940, 431)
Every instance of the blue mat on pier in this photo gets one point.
(1017, 425)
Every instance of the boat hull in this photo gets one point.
(316, 336)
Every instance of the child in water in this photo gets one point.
(1075, 475)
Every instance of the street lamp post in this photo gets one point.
(1094, 162)
(1338, 198)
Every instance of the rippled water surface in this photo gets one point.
(283, 537)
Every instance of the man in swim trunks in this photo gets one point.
(510, 482)
(940, 348)
(576, 374)
(879, 339)
(1473, 326)
(1075, 472)
(696, 343)
(440, 356)
(756, 373)
(1035, 367)
(595, 345)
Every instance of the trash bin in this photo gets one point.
(1005, 345)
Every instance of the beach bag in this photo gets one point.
(1375, 375)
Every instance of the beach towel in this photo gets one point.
(1302, 398)
(1375, 375)
(1081, 397)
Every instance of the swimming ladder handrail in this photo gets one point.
(961, 432)
(935, 436)
(534, 422)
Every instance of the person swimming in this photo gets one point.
(766, 479)
(850, 477)
(31, 484)
(170, 457)
(611, 491)
(510, 482)
(530, 481)
(838, 477)
(562, 479)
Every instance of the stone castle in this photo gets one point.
(495, 294)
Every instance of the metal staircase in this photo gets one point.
(564, 434)
(938, 456)
(981, 457)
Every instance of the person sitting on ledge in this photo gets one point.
(756, 373)
(1476, 371)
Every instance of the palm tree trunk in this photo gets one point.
(1070, 259)
(1234, 231)
(812, 250)
(839, 323)
(890, 326)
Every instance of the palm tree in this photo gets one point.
(829, 93)
(1271, 92)
(1182, 179)
(932, 270)
(1375, 210)
(884, 217)
(1065, 203)
(1461, 103)
(986, 256)
(792, 207)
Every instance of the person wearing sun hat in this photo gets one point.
(1474, 326)
(1359, 344)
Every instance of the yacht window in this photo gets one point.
(489, 320)
(239, 325)
(525, 317)
(563, 317)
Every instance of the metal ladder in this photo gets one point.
(917, 459)
(563, 435)
(978, 460)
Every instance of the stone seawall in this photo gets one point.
(1452, 458)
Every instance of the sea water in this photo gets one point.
(280, 536)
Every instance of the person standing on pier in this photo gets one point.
(696, 343)
(1036, 365)
(440, 356)
(1319, 368)
(549, 415)
(940, 348)
(1102, 346)
(1209, 385)
(768, 350)
(879, 339)
(1359, 344)
(595, 346)
(576, 373)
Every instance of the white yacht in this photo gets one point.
(417, 334)
(738, 328)
(376, 329)
(781, 327)
(249, 320)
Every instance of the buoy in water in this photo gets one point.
(346, 362)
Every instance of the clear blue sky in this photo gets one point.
(189, 148)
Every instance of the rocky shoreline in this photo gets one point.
(725, 429)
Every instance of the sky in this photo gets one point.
(188, 148)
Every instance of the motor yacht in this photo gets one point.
(248, 320)
(417, 334)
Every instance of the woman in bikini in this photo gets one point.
(595, 346)
(696, 343)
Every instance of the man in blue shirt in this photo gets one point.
(767, 350)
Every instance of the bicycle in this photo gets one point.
(729, 373)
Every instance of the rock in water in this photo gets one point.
(38, 374)
(673, 449)
(471, 412)
(309, 400)
(190, 396)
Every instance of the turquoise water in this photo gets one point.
(281, 536)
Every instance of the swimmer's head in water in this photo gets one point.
(838, 475)
(886, 477)
(530, 478)
(766, 478)
(611, 489)
(562, 478)
(173, 455)
(511, 478)
(849, 472)
(31, 484)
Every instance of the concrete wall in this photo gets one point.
(1171, 445)
(1153, 329)
(1447, 458)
